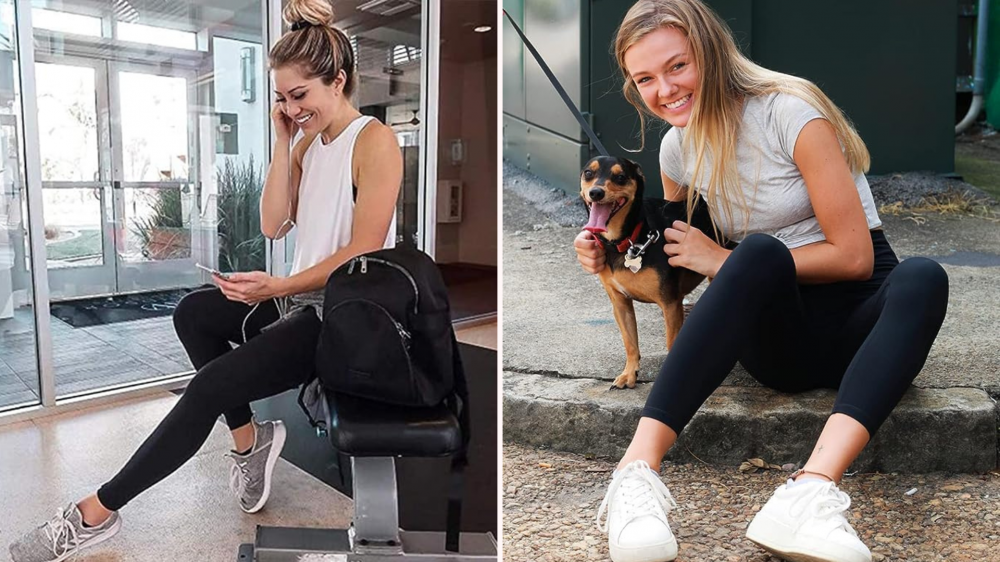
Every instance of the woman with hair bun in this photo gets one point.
(813, 296)
(335, 175)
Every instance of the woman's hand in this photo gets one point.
(284, 126)
(589, 252)
(690, 248)
(251, 287)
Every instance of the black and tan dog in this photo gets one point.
(631, 230)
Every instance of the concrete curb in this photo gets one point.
(950, 429)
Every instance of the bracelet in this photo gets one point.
(801, 471)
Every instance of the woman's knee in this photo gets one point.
(919, 286)
(192, 307)
(761, 256)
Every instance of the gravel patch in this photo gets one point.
(550, 500)
(912, 188)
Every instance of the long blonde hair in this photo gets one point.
(314, 44)
(726, 78)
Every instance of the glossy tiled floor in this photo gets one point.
(189, 516)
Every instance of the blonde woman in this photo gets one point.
(338, 186)
(812, 297)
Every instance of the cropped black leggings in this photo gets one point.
(868, 339)
(272, 361)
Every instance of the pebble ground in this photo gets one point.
(550, 500)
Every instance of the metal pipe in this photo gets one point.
(979, 72)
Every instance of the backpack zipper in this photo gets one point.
(416, 292)
(403, 333)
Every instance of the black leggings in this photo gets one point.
(272, 361)
(868, 339)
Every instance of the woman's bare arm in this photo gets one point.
(847, 252)
(278, 202)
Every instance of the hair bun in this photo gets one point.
(300, 14)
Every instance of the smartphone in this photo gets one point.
(212, 271)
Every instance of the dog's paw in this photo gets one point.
(626, 379)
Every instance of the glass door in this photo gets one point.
(152, 131)
(153, 192)
(76, 176)
(115, 146)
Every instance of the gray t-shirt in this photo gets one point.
(780, 204)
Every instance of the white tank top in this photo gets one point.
(325, 214)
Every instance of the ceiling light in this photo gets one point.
(482, 29)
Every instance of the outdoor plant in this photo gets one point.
(162, 234)
(241, 245)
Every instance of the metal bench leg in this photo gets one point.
(376, 513)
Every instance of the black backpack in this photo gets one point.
(387, 334)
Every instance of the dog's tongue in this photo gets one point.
(599, 215)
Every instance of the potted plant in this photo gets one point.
(162, 234)
(241, 244)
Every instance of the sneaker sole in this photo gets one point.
(653, 553)
(773, 537)
(98, 539)
(277, 443)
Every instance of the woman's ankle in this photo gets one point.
(812, 474)
(654, 465)
(93, 511)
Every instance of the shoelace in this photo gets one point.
(239, 476)
(61, 532)
(825, 501)
(636, 497)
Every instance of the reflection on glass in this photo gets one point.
(73, 236)
(156, 35)
(65, 22)
(18, 366)
(156, 225)
(150, 132)
(67, 122)
(154, 127)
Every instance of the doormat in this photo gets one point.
(120, 308)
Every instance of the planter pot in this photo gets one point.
(167, 243)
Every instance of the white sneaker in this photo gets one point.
(806, 523)
(637, 503)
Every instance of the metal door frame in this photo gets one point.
(29, 131)
(88, 275)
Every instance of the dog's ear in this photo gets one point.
(636, 169)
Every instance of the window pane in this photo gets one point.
(65, 22)
(157, 35)
(18, 363)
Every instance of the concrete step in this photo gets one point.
(932, 429)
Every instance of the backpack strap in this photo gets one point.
(459, 405)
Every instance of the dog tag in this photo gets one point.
(633, 263)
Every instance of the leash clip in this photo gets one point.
(636, 251)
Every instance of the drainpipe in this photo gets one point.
(979, 73)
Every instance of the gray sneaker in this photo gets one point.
(62, 537)
(250, 476)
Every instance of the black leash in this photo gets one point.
(559, 88)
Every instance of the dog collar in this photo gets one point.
(626, 243)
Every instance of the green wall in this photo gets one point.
(889, 64)
(993, 67)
